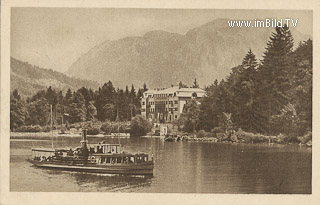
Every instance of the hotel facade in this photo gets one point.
(166, 105)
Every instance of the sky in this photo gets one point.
(56, 37)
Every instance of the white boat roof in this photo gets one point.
(40, 149)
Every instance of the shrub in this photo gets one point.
(305, 138)
(93, 131)
(248, 137)
(210, 135)
(30, 128)
(46, 129)
(201, 134)
(217, 130)
(234, 138)
(221, 137)
(259, 138)
(281, 138)
(106, 127)
(139, 126)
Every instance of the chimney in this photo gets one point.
(84, 140)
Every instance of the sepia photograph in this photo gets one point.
(160, 100)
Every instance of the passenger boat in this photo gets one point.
(95, 158)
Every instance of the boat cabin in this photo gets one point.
(105, 149)
(118, 159)
(42, 153)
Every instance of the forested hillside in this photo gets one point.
(29, 79)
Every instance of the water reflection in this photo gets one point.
(103, 182)
(180, 167)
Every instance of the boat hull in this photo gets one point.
(121, 169)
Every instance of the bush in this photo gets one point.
(281, 138)
(217, 130)
(221, 137)
(259, 138)
(139, 126)
(248, 137)
(305, 138)
(201, 134)
(93, 131)
(210, 135)
(30, 128)
(106, 127)
(234, 138)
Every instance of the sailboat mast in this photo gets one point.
(51, 126)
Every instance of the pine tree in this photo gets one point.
(243, 90)
(195, 84)
(106, 96)
(274, 76)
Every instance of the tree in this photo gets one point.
(243, 89)
(139, 126)
(77, 109)
(195, 84)
(39, 112)
(181, 85)
(274, 76)
(91, 111)
(144, 89)
(18, 111)
(106, 95)
(191, 116)
(301, 89)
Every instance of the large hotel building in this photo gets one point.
(166, 105)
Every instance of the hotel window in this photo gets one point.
(176, 102)
(176, 109)
(175, 116)
(142, 103)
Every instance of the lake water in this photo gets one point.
(180, 167)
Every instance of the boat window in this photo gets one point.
(145, 159)
(108, 160)
(138, 159)
(119, 159)
(131, 159)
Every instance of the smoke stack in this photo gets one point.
(84, 140)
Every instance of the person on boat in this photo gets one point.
(70, 152)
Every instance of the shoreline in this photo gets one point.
(47, 135)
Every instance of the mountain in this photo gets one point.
(29, 79)
(160, 58)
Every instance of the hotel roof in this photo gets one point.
(180, 92)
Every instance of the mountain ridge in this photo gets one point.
(29, 79)
(160, 58)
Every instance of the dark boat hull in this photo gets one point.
(121, 169)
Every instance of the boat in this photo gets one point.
(93, 158)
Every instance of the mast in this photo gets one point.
(51, 126)
(117, 119)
